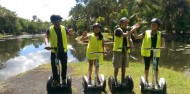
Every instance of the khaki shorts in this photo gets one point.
(118, 58)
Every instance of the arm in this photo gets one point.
(47, 40)
(138, 36)
(103, 45)
(134, 28)
(163, 45)
(131, 42)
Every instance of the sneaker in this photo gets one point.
(98, 80)
(147, 83)
(123, 84)
(64, 81)
(157, 84)
(116, 83)
(55, 83)
(89, 80)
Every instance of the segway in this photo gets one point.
(58, 87)
(126, 83)
(152, 87)
(94, 85)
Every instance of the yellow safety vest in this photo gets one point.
(94, 45)
(146, 43)
(118, 42)
(53, 38)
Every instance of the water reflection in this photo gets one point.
(23, 63)
(20, 55)
(29, 58)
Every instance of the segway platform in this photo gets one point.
(127, 85)
(160, 88)
(94, 85)
(59, 87)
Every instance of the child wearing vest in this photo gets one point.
(95, 44)
(151, 39)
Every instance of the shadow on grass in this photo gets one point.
(94, 91)
(105, 92)
(123, 92)
(60, 92)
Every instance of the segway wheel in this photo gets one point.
(103, 81)
(69, 82)
(129, 82)
(111, 84)
(49, 84)
(84, 83)
(142, 86)
(163, 85)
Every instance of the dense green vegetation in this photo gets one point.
(175, 15)
(12, 24)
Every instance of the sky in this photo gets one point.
(43, 9)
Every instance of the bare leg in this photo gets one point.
(156, 75)
(96, 71)
(146, 74)
(96, 68)
(116, 73)
(90, 69)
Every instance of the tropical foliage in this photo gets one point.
(175, 14)
(11, 23)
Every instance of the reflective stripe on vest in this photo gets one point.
(53, 37)
(94, 45)
(118, 42)
(146, 43)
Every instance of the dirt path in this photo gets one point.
(34, 82)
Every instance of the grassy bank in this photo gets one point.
(177, 82)
(1, 36)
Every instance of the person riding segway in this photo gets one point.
(99, 82)
(57, 36)
(94, 54)
(152, 43)
(59, 85)
(122, 43)
(155, 86)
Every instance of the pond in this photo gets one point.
(20, 54)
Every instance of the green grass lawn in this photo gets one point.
(177, 82)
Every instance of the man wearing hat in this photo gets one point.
(122, 39)
(57, 36)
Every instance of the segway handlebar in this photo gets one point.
(49, 48)
(124, 47)
(154, 48)
(96, 52)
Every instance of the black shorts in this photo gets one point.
(147, 61)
